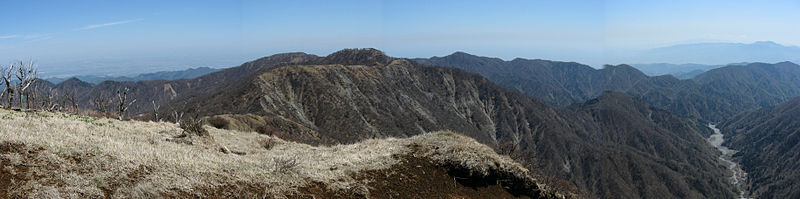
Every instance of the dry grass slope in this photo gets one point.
(56, 155)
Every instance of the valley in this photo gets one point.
(737, 175)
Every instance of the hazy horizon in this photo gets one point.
(123, 38)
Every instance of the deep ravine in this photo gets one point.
(738, 176)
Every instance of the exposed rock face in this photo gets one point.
(615, 146)
(354, 102)
(767, 141)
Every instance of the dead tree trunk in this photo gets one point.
(101, 101)
(26, 74)
(155, 111)
(123, 105)
(6, 74)
(68, 98)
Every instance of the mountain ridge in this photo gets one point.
(319, 101)
(564, 83)
(161, 75)
(328, 103)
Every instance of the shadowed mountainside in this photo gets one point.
(636, 147)
(767, 141)
(713, 95)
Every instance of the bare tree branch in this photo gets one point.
(101, 101)
(26, 76)
(155, 111)
(123, 105)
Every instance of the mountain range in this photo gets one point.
(712, 96)
(715, 53)
(161, 75)
(341, 98)
(613, 132)
(680, 71)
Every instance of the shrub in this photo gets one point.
(269, 143)
(218, 122)
(193, 126)
(284, 164)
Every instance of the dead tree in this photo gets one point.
(3, 77)
(101, 101)
(155, 111)
(123, 103)
(26, 76)
(8, 90)
(48, 99)
(37, 98)
(176, 116)
(68, 101)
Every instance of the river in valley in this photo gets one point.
(737, 178)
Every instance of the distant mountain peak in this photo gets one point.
(74, 81)
(358, 56)
(620, 66)
(767, 43)
(461, 53)
(368, 51)
(285, 57)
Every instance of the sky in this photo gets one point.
(129, 37)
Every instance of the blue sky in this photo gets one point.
(126, 37)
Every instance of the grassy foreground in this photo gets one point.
(57, 155)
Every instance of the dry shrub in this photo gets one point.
(524, 157)
(284, 164)
(193, 126)
(218, 122)
(506, 148)
(269, 143)
(564, 186)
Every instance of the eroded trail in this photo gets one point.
(716, 140)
